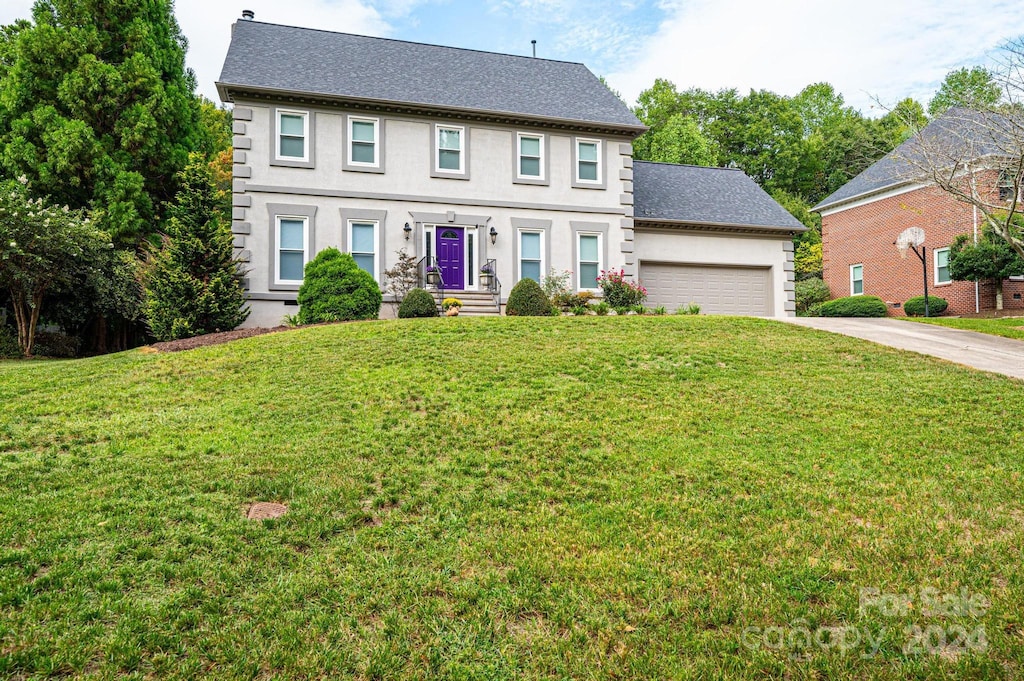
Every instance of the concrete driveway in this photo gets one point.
(979, 350)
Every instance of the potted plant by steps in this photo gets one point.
(433, 275)
(451, 306)
(486, 275)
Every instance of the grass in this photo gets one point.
(1008, 327)
(636, 497)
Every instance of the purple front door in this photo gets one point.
(450, 255)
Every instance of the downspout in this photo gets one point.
(977, 286)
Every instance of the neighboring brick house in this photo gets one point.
(860, 223)
(487, 168)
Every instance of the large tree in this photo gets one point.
(971, 88)
(97, 108)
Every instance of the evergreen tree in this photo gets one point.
(97, 108)
(193, 283)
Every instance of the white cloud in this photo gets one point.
(207, 25)
(884, 48)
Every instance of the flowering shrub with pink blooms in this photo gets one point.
(619, 291)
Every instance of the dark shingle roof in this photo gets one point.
(699, 195)
(340, 65)
(957, 135)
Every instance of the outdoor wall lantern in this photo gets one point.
(494, 235)
(408, 230)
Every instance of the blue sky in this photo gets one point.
(871, 49)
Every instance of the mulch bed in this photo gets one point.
(213, 339)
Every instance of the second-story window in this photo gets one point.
(588, 161)
(531, 156)
(449, 150)
(292, 133)
(363, 149)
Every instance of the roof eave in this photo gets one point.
(863, 195)
(228, 92)
(666, 222)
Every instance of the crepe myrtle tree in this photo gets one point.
(44, 249)
(974, 151)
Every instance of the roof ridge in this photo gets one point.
(413, 42)
(686, 165)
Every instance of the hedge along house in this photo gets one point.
(487, 168)
(861, 220)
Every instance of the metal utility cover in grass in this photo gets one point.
(264, 510)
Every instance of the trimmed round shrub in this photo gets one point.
(418, 303)
(527, 300)
(334, 289)
(915, 306)
(853, 306)
(810, 292)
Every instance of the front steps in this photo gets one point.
(474, 303)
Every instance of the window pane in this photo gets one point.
(588, 275)
(293, 146)
(365, 262)
(291, 266)
(588, 151)
(363, 131)
(588, 171)
(362, 152)
(448, 160)
(529, 146)
(943, 274)
(292, 124)
(858, 286)
(449, 139)
(588, 249)
(531, 270)
(292, 236)
(529, 167)
(858, 272)
(362, 238)
(529, 248)
(942, 257)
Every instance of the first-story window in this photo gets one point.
(856, 280)
(589, 261)
(363, 142)
(449, 149)
(292, 247)
(292, 131)
(363, 244)
(531, 265)
(942, 266)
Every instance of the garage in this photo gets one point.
(717, 289)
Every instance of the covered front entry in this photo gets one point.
(717, 289)
(451, 256)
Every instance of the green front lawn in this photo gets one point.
(1008, 327)
(630, 497)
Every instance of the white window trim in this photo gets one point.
(376, 235)
(277, 255)
(462, 149)
(519, 252)
(519, 156)
(352, 141)
(935, 262)
(600, 258)
(305, 135)
(852, 267)
(600, 169)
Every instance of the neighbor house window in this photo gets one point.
(531, 156)
(531, 265)
(449, 150)
(589, 261)
(362, 239)
(856, 280)
(292, 133)
(1005, 185)
(942, 266)
(292, 249)
(588, 161)
(363, 146)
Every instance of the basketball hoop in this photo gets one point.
(912, 237)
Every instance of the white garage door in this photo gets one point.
(718, 290)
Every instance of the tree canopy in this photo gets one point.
(971, 88)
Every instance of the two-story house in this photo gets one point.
(487, 167)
